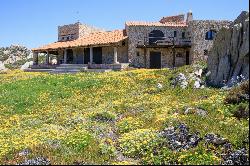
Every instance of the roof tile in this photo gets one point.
(97, 38)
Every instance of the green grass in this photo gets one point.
(90, 116)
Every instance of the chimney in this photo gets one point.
(190, 16)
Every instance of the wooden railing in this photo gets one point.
(164, 41)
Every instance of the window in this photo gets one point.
(123, 43)
(155, 36)
(210, 35)
(183, 35)
(138, 53)
(175, 33)
(205, 52)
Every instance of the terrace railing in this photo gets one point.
(164, 41)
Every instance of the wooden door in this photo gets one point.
(155, 60)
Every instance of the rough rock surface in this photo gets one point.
(26, 65)
(229, 57)
(36, 161)
(179, 138)
(2, 67)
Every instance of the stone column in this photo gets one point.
(47, 58)
(65, 56)
(91, 55)
(115, 55)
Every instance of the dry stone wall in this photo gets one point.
(198, 30)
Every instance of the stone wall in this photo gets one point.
(108, 54)
(137, 34)
(75, 31)
(198, 30)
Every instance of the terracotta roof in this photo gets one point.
(176, 19)
(97, 38)
(167, 24)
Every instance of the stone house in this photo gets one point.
(171, 42)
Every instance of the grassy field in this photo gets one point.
(95, 118)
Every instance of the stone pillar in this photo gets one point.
(47, 58)
(65, 57)
(91, 55)
(115, 55)
(35, 58)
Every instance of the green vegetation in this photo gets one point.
(92, 118)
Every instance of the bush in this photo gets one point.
(241, 111)
(128, 124)
(107, 147)
(104, 116)
(78, 141)
(238, 94)
(139, 142)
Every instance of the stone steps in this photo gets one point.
(69, 68)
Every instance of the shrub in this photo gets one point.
(128, 124)
(78, 141)
(107, 147)
(241, 111)
(238, 94)
(139, 142)
(104, 116)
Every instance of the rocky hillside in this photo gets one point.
(14, 54)
(229, 58)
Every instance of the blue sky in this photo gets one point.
(34, 22)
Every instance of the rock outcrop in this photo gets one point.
(14, 53)
(2, 67)
(229, 57)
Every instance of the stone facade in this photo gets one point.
(198, 30)
(192, 39)
(166, 57)
(107, 53)
(137, 36)
(75, 31)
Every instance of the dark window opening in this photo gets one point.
(155, 36)
(138, 54)
(183, 35)
(123, 43)
(210, 35)
(175, 33)
(205, 52)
